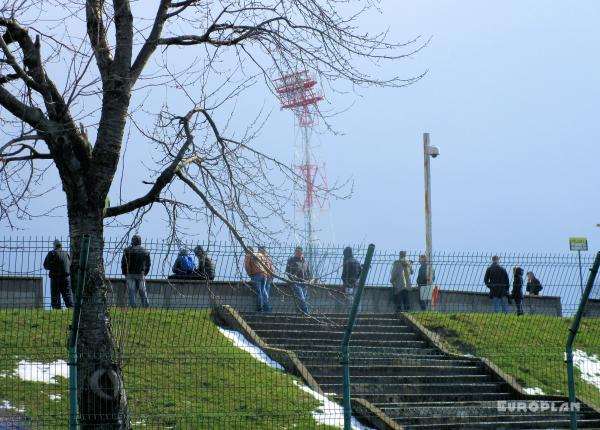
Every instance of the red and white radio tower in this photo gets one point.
(297, 93)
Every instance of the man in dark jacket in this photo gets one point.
(517, 289)
(135, 265)
(58, 263)
(206, 268)
(534, 286)
(297, 270)
(496, 279)
(350, 273)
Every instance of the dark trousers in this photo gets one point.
(60, 286)
(401, 300)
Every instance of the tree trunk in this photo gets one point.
(102, 399)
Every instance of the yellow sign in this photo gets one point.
(578, 243)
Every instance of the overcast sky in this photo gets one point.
(511, 98)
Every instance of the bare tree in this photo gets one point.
(75, 78)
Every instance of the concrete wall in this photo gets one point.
(21, 292)
(190, 294)
(592, 308)
(27, 292)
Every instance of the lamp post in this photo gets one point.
(433, 152)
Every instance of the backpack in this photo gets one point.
(187, 263)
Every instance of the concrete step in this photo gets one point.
(363, 390)
(542, 423)
(338, 319)
(452, 409)
(468, 417)
(371, 359)
(438, 397)
(330, 336)
(332, 369)
(365, 328)
(355, 344)
(375, 379)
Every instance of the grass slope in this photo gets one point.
(530, 347)
(180, 372)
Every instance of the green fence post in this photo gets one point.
(572, 333)
(348, 334)
(74, 334)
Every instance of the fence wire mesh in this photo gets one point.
(202, 356)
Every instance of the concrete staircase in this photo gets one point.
(397, 370)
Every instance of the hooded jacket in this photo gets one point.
(351, 268)
(517, 288)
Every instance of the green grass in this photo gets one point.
(180, 372)
(529, 347)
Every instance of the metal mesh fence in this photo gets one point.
(201, 356)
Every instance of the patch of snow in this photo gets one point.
(42, 372)
(139, 423)
(468, 355)
(5, 405)
(241, 342)
(589, 367)
(55, 396)
(535, 391)
(330, 413)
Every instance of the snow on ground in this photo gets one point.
(535, 391)
(5, 405)
(589, 367)
(54, 396)
(241, 342)
(42, 372)
(327, 412)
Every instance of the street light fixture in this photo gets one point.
(433, 152)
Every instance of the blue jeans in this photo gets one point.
(500, 301)
(301, 293)
(268, 285)
(136, 284)
(262, 296)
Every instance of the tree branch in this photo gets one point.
(32, 116)
(98, 37)
(152, 41)
(163, 179)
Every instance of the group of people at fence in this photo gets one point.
(135, 266)
(496, 279)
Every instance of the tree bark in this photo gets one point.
(102, 398)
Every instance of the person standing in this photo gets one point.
(269, 273)
(135, 265)
(206, 268)
(517, 289)
(297, 270)
(400, 280)
(350, 274)
(424, 283)
(58, 264)
(255, 269)
(496, 279)
(534, 286)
